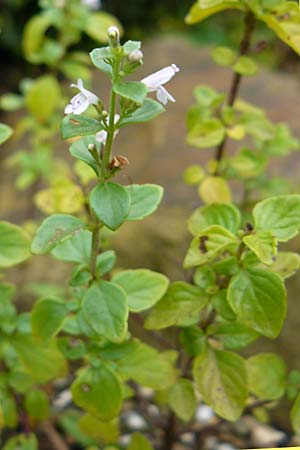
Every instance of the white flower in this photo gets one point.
(101, 136)
(155, 81)
(92, 4)
(80, 102)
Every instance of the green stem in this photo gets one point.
(104, 170)
(95, 248)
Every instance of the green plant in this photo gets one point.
(237, 292)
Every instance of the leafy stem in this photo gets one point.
(236, 80)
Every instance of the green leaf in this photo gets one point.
(258, 297)
(26, 441)
(131, 46)
(98, 391)
(221, 305)
(106, 432)
(279, 215)
(286, 264)
(285, 23)
(245, 66)
(148, 111)
(235, 335)
(139, 442)
(220, 377)
(42, 362)
(111, 203)
(295, 415)
(206, 134)
(97, 25)
(181, 302)
(79, 150)
(54, 230)
(263, 244)
(154, 368)
(193, 175)
(267, 377)
(105, 262)
(34, 34)
(248, 164)
(11, 102)
(224, 56)
(37, 404)
(205, 8)
(132, 90)
(208, 244)
(78, 125)
(105, 309)
(8, 411)
(47, 86)
(20, 381)
(76, 248)
(193, 340)
(182, 399)
(47, 317)
(208, 97)
(102, 59)
(14, 245)
(145, 199)
(224, 214)
(144, 288)
(5, 132)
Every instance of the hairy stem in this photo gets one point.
(95, 247)
(236, 80)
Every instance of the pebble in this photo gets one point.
(146, 392)
(224, 446)
(153, 411)
(264, 436)
(125, 439)
(63, 399)
(187, 438)
(204, 414)
(135, 421)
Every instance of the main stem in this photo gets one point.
(104, 172)
(237, 78)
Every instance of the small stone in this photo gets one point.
(211, 443)
(146, 392)
(187, 438)
(153, 411)
(135, 421)
(225, 446)
(204, 414)
(63, 399)
(125, 439)
(266, 436)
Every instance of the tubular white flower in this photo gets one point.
(101, 136)
(155, 81)
(80, 102)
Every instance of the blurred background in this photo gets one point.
(157, 151)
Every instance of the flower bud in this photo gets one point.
(114, 36)
(135, 56)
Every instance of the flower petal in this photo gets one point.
(163, 95)
(160, 77)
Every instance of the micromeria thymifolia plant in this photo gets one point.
(88, 331)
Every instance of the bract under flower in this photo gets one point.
(155, 81)
(80, 102)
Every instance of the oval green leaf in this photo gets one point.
(111, 203)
